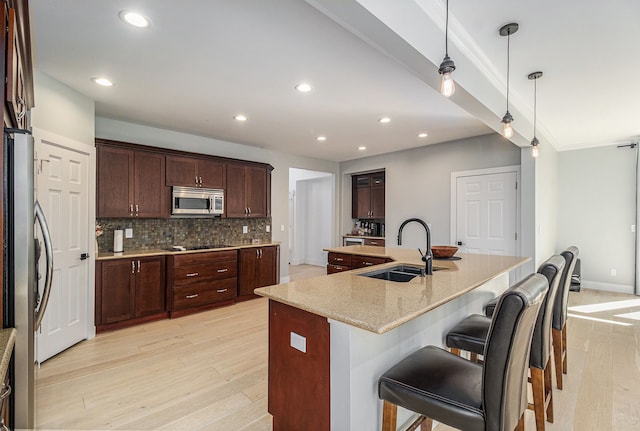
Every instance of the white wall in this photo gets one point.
(418, 183)
(314, 212)
(135, 133)
(546, 203)
(62, 110)
(596, 208)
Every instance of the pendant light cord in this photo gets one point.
(535, 103)
(446, 32)
(508, 68)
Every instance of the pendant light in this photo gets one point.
(508, 30)
(447, 86)
(534, 141)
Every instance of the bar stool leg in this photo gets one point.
(389, 416)
(548, 391)
(537, 386)
(564, 349)
(557, 355)
(455, 351)
(520, 425)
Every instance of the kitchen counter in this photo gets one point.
(162, 251)
(331, 337)
(379, 306)
(7, 340)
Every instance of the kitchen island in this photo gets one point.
(331, 337)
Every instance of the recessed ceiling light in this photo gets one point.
(134, 19)
(102, 81)
(321, 138)
(422, 135)
(303, 87)
(384, 120)
(240, 117)
(362, 148)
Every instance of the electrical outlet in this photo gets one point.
(633, 228)
(268, 228)
(245, 229)
(128, 233)
(614, 272)
(281, 228)
(298, 342)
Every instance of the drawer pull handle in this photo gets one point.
(368, 263)
(195, 295)
(221, 290)
(339, 259)
(192, 274)
(223, 270)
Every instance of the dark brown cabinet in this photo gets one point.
(248, 191)
(258, 267)
(195, 172)
(202, 280)
(339, 262)
(129, 289)
(130, 183)
(368, 200)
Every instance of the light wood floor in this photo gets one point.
(208, 372)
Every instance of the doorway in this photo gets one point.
(311, 209)
(66, 195)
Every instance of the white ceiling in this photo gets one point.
(202, 61)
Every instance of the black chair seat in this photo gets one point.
(435, 383)
(490, 307)
(470, 334)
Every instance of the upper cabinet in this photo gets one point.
(130, 183)
(248, 190)
(195, 172)
(368, 195)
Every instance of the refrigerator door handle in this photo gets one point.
(48, 249)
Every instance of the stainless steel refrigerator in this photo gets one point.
(24, 301)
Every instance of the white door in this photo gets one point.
(486, 214)
(62, 188)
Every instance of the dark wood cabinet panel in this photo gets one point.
(374, 242)
(114, 182)
(128, 291)
(195, 172)
(150, 290)
(130, 183)
(247, 191)
(339, 262)
(258, 267)
(117, 291)
(368, 196)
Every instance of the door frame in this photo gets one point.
(56, 140)
(478, 172)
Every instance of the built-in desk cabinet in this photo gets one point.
(129, 291)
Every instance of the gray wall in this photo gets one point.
(418, 182)
(596, 208)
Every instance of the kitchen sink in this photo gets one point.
(400, 273)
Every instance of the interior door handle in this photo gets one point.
(84, 256)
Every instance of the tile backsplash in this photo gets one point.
(188, 232)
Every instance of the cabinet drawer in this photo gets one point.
(332, 269)
(362, 261)
(204, 258)
(374, 242)
(192, 274)
(339, 259)
(204, 293)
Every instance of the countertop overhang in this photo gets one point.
(379, 306)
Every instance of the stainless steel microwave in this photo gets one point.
(190, 201)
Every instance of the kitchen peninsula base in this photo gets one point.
(361, 327)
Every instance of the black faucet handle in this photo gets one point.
(424, 256)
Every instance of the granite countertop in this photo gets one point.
(7, 340)
(378, 305)
(162, 251)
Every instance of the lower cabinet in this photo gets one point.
(339, 262)
(129, 291)
(258, 267)
(202, 280)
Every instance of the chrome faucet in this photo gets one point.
(427, 257)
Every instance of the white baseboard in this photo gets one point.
(609, 287)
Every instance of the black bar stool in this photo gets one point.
(442, 386)
(471, 335)
(559, 324)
